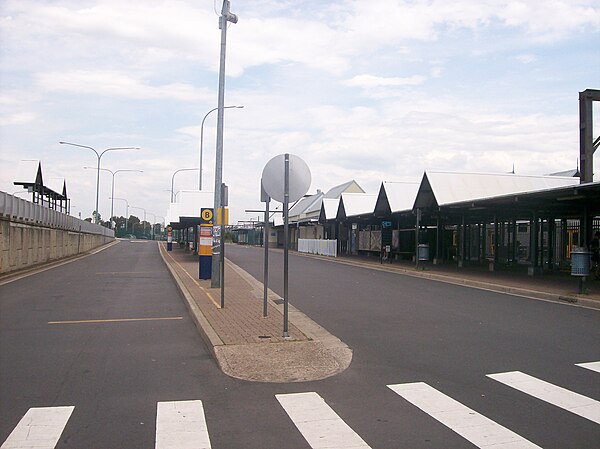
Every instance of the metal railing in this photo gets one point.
(23, 211)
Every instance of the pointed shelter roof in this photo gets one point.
(329, 208)
(398, 196)
(58, 186)
(309, 207)
(356, 205)
(446, 188)
(29, 173)
(348, 187)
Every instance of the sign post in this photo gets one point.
(264, 197)
(169, 238)
(206, 244)
(286, 178)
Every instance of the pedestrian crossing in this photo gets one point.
(568, 400)
(469, 424)
(182, 424)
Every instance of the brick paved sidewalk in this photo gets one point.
(241, 321)
(245, 344)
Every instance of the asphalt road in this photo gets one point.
(401, 329)
(407, 329)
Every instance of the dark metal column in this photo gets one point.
(586, 136)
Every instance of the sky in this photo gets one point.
(366, 90)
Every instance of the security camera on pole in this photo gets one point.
(226, 16)
(286, 178)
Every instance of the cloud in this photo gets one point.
(526, 58)
(18, 118)
(378, 81)
(116, 84)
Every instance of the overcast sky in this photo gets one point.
(364, 90)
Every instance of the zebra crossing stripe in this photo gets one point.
(594, 366)
(40, 428)
(320, 426)
(573, 402)
(474, 427)
(181, 425)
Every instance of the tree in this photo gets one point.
(133, 223)
(120, 226)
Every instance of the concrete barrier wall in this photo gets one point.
(24, 245)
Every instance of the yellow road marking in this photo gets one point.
(117, 320)
(217, 305)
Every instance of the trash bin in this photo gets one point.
(423, 252)
(580, 262)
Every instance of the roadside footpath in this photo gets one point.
(245, 344)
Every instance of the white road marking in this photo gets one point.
(320, 426)
(478, 429)
(594, 366)
(573, 402)
(181, 425)
(40, 428)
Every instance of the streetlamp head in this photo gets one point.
(231, 17)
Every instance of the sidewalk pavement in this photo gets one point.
(248, 346)
(245, 344)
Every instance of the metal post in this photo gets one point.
(286, 201)
(266, 244)
(586, 144)
(226, 16)
(222, 246)
(97, 217)
(417, 238)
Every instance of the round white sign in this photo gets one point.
(273, 178)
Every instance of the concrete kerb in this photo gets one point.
(322, 355)
(208, 334)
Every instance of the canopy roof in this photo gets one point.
(356, 205)
(329, 208)
(396, 197)
(309, 207)
(439, 189)
(29, 172)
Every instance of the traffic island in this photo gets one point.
(247, 345)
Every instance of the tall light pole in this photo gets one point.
(112, 192)
(226, 16)
(99, 156)
(141, 208)
(173, 178)
(202, 140)
(126, 210)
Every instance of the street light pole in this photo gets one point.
(226, 16)
(99, 156)
(202, 140)
(113, 173)
(173, 178)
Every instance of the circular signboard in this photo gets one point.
(273, 178)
